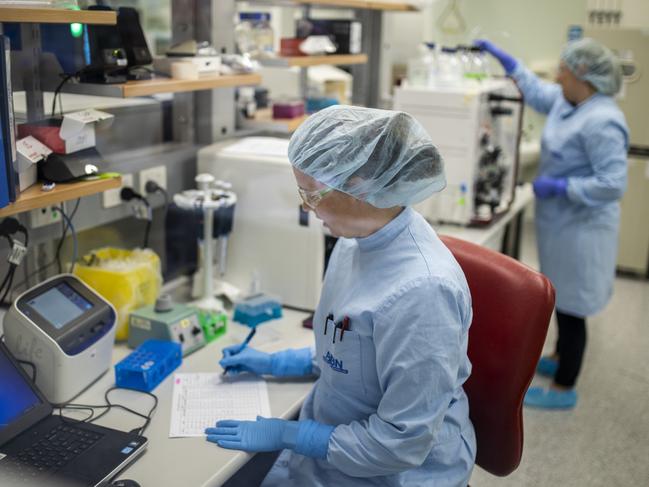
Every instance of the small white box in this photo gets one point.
(206, 64)
(29, 153)
(78, 129)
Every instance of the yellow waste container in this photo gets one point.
(129, 279)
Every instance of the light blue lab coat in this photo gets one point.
(393, 384)
(577, 234)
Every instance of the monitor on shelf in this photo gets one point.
(104, 53)
(61, 40)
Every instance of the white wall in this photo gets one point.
(532, 30)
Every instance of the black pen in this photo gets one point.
(243, 345)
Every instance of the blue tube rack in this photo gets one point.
(148, 365)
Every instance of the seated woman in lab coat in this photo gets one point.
(391, 327)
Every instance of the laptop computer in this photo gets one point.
(38, 448)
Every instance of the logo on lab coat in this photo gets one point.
(334, 363)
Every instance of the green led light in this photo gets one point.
(76, 30)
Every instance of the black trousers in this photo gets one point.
(570, 348)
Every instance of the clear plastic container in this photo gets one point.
(423, 69)
(449, 68)
(464, 58)
(479, 65)
(254, 34)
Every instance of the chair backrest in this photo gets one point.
(512, 306)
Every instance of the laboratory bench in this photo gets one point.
(194, 461)
(504, 234)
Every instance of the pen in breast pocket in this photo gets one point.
(330, 317)
(342, 326)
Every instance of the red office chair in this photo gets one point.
(512, 305)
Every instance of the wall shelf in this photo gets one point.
(33, 198)
(56, 16)
(264, 121)
(363, 4)
(162, 85)
(304, 61)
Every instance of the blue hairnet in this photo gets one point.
(591, 61)
(383, 157)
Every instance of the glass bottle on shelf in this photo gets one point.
(244, 36)
(254, 34)
(264, 36)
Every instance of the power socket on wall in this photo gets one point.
(157, 174)
(111, 197)
(44, 216)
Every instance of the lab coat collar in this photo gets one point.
(382, 237)
(569, 109)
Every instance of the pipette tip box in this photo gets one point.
(256, 309)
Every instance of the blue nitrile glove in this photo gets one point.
(508, 62)
(547, 187)
(306, 437)
(292, 362)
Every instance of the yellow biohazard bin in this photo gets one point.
(129, 279)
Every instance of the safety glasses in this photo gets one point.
(313, 198)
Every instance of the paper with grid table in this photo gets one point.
(201, 399)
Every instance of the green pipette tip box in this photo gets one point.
(213, 324)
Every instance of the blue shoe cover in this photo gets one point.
(547, 367)
(537, 397)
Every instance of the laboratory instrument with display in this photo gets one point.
(66, 330)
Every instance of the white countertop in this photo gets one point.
(194, 462)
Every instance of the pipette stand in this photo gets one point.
(209, 199)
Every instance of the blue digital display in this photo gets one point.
(16, 395)
(60, 305)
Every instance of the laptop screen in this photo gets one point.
(17, 398)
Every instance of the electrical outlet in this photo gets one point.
(44, 216)
(111, 198)
(157, 174)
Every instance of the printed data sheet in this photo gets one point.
(200, 400)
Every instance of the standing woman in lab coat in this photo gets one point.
(391, 327)
(582, 176)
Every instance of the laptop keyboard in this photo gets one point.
(45, 457)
